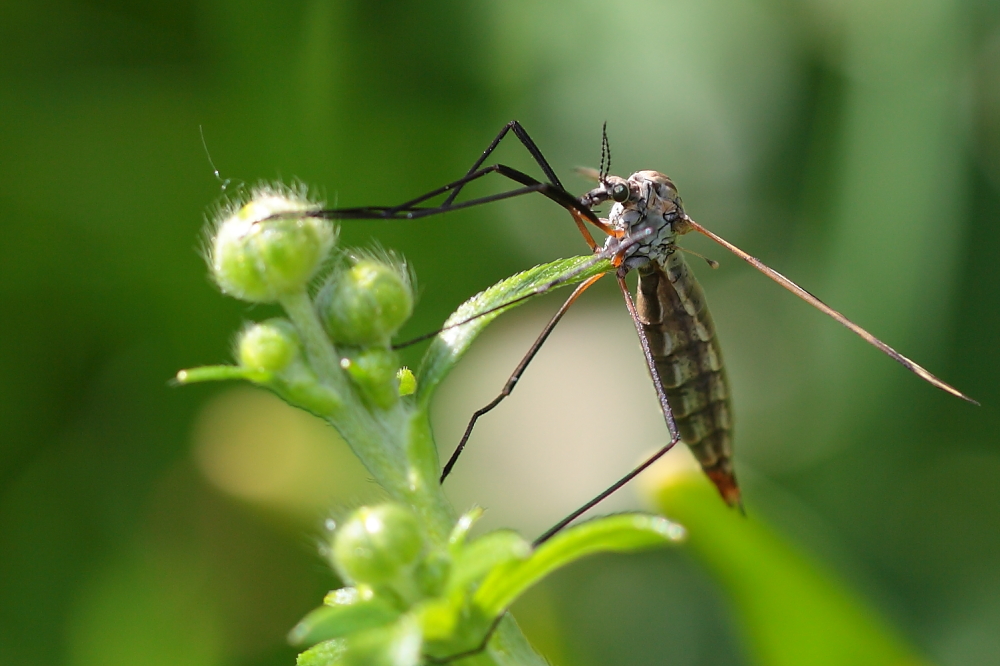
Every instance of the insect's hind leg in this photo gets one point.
(668, 417)
(515, 376)
(641, 467)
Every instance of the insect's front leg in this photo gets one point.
(529, 145)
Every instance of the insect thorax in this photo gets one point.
(653, 204)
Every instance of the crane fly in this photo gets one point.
(670, 314)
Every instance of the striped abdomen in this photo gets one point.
(675, 317)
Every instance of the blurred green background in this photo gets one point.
(854, 146)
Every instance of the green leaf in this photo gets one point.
(397, 644)
(344, 613)
(218, 373)
(793, 611)
(456, 540)
(483, 555)
(618, 533)
(324, 654)
(449, 346)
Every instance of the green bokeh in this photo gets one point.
(854, 146)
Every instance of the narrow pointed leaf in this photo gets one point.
(218, 373)
(456, 540)
(619, 533)
(449, 346)
(329, 653)
(485, 554)
(334, 621)
(397, 644)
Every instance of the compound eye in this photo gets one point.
(620, 192)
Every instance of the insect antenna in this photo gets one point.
(605, 154)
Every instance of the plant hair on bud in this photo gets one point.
(389, 258)
(366, 299)
(285, 198)
(266, 246)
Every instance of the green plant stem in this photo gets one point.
(411, 477)
(319, 349)
(395, 445)
(424, 492)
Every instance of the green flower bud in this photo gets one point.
(432, 574)
(407, 381)
(269, 345)
(269, 246)
(379, 545)
(374, 373)
(365, 304)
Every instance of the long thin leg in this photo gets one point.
(558, 527)
(400, 210)
(515, 376)
(647, 354)
(668, 416)
(529, 145)
(475, 172)
(553, 190)
(664, 405)
(409, 210)
(675, 437)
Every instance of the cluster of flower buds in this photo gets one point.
(419, 590)
(410, 601)
(270, 249)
